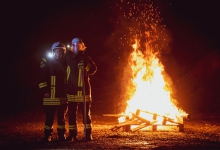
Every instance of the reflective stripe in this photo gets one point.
(50, 101)
(78, 98)
(68, 72)
(42, 64)
(79, 93)
(88, 67)
(80, 83)
(60, 126)
(53, 82)
(54, 101)
(72, 127)
(88, 126)
(44, 84)
(47, 127)
(44, 60)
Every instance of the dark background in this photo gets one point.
(29, 28)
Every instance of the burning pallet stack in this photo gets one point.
(154, 122)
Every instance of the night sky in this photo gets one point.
(29, 28)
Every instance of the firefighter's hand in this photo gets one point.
(46, 95)
(81, 65)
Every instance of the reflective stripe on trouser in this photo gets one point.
(61, 130)
(73, 130)
(88, 126)
(48, 127)
(47, 130)
(60, 127)
(73, 109)
(50, 112)
(73, 127)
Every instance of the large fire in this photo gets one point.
(151, 94)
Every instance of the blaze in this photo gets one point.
(148, 93)
(151, 93)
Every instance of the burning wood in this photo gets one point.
(151, 92)
(143, 126)
(148, 88)
(129, 122)
(136, 122)
(165, 118)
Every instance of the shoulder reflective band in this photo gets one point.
(44, 84)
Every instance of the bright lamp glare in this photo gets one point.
(68, 46)
(50, 55)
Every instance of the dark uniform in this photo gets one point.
(53, 81)
(77, 64)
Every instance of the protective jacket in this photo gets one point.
(53, 80)
(77, 64)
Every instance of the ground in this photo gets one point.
(24, 130)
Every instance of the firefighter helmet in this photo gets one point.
(58, 45)
(58, 50)
(78, 45)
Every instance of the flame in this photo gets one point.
(151, 92)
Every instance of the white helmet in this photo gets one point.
(79, 41)
(58, 45)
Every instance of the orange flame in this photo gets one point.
(151, 92)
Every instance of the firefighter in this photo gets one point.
(79, 68)
(53, 89)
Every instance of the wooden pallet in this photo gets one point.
(137, 123)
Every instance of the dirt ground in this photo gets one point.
(24, 130)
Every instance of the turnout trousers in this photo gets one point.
(50, 112)
(73, 111)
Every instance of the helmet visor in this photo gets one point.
(77, 47)
(58, 52)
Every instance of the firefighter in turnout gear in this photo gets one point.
(53, 89)
(79, 68)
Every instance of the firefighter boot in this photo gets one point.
(47, 136)
(89, 135)
(72, 136)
